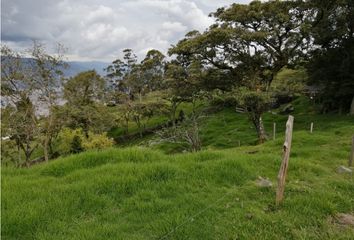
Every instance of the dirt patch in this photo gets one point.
(343, 220)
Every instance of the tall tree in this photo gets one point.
(251, 43)
(48, 78)
(84, 108)
(19, 121)
(153, 67)
(182, 83)
(331, 65)
(119, 73)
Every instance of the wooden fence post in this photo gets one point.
(351, 157)
(274, 130)
(311, 128)
(285, 162)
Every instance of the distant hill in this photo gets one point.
(76, 67)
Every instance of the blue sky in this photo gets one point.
(101, 29)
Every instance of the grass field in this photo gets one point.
(137, 193)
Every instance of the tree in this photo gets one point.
(331, 63)
(35, 80)
(19, 121)
(119, 73)
(251, 43)
(182, 83)
(48, 78)
(83, 108)
(153, 67)
(84, 88)
(136, 79)
(255, 104)
(186, 133)
(21, 124)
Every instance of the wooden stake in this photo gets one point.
(351, 158)
(311, 128)
(274, 130)
(284, 165)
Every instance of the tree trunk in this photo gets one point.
(50, 145)
(258, 124)
(173, 114)
(45, 149)
(19, 155)
(352, 107)
(28, 156)
(47, 138)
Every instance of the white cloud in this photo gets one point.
(174, 26)
(100, 30)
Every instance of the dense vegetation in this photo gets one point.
(136, 193)
(255, 57)
(171, 147)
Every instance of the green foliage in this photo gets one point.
(137, 193)
(253, 101)
(9, 153)
(331, 65)
(84, 108)
(84, 88)
(74, 141)
(222, 99)
(96, 118)
(76, 145)
(97, 141)
(255, 104)
(249, 44)
(135, 79)
(289, 82)
(66, 138)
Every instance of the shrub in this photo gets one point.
(76, 145)
(66, 140)
(97, 141)
(74, 141)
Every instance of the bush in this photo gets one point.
(76, 145)
(97, 141)
(66, 140)
(74, 141)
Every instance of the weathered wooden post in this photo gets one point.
(311, 128)
(274, 130)
(351, 157)
(285, 162)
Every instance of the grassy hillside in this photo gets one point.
(136, 193)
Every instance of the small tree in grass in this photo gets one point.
(255, 103)
(186, 133)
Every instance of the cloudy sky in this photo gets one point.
(101, 29)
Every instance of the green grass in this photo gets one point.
(136, 193)
(156, 120)
(229, 129)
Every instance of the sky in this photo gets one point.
(98, 30)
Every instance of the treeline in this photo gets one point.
(252, 57)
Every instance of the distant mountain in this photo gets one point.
(76, 67)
